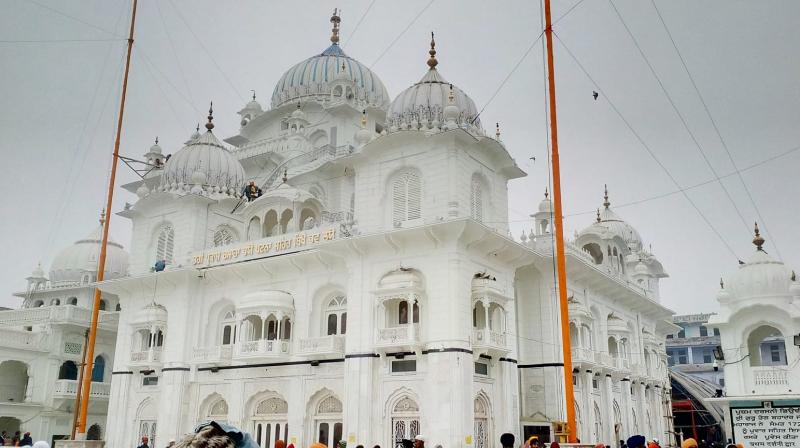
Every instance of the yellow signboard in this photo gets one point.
(267, 247)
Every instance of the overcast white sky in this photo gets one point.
(59, 102)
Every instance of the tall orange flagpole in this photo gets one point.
(559, 227)
(101, 264)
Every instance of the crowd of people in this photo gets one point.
(22, 440)
(219, 435)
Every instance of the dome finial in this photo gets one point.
(546, 193)
(364, 119)
(758, 240)
(285, 175)
(432, 62)
(156, 139)
(606, 204)
(335, 20)
(497, 131)
(598, 215)
(103, 216)
(254, 94)
(721, 283)
(210, 124)
(197, 129)
(794, 276)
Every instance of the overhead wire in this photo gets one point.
(174, 52)
(142, 52)
(562, 16)
(716, 129)
(391, 44)
(680, 116)
(358, 24)
(148, 64)
(647, 148)
(76, 19)
(210, 56)
(57, 41)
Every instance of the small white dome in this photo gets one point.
(425, 102)
(38, 272)
(156, 148)
(151, 313)
(608, 223)
(142, 191)
(268, 300)
(641, 268)
(72, 264)
(761, 276)
(205, 155)
(546, 206)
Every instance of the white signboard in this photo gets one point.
(767, 426)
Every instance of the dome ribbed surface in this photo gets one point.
(205, 154)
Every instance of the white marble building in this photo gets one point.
(759, 324)
(41, 344)
(372, 292)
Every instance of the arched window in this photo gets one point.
(405, 420)
(158, 338)
(271, 223)
(118, 307)
(406, 197)
(594, 250)
(402, 312)
(328, 421)
(68, 371)
(254, 229)
(476, 198)
(228, 328)
(95, 432)
(98, 369)
(223, 236)
(72, 301)
(270, 422)
(165, 245)
(38, 303)
(336, 316)
(218, 411)
(286, 218)
(598, 423)
(102, 305)
(766, 347)
(481, 422)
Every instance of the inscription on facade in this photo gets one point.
(767, 427)
(266, 247)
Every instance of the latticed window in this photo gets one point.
(223, 236)
(218, 411)
(330, 405)
(165, 245)
(481, 424)
(476, 198)
(272, 406)
(406, 197)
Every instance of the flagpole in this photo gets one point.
(101, 264)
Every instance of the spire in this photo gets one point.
(364, 119)
(210, 124)
(758, 240)
(794, 276)
(497, 131)
(103, 216)
(606, 204)
(197, 129)
(285, 175)
(432, 62)
(546, 193)
(598, 215)
(156, 139)
(254, 94)
(451, 97)
(721, 283)
(335, 20)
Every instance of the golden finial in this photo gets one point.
(103, 216)
(432, 62)
(210, 124)
(598, 215)
(793, 277)
(546, 193)
(451, 97)
(721, 283)
(335, 20)
(285, 175)
(497, 132)
(605, 196)
(758, 240)
(364, 119)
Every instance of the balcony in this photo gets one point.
(68, 388)
(582, 355)
(489, 342)
(25, 340)
(769, 380)
(147, 358)
(64, 314)
(218, 355)
(261, 348)
(404, 336)
(326, 345)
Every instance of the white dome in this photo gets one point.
(546, 206)
(80, 259)
(224, 174)
(609, 224)
(425, 101)
(314, 78)
(761, 276)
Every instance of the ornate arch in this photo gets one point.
(403, 399)
(146, 409)
(267, 403)
(214, 405)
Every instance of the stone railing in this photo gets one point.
(151, 355)
(68, 314)
(27, 340)
(69, 388)
(321, 345)
(213, 354)
(262, 347)
(769, 377)
(399, 334)
(489, 339)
